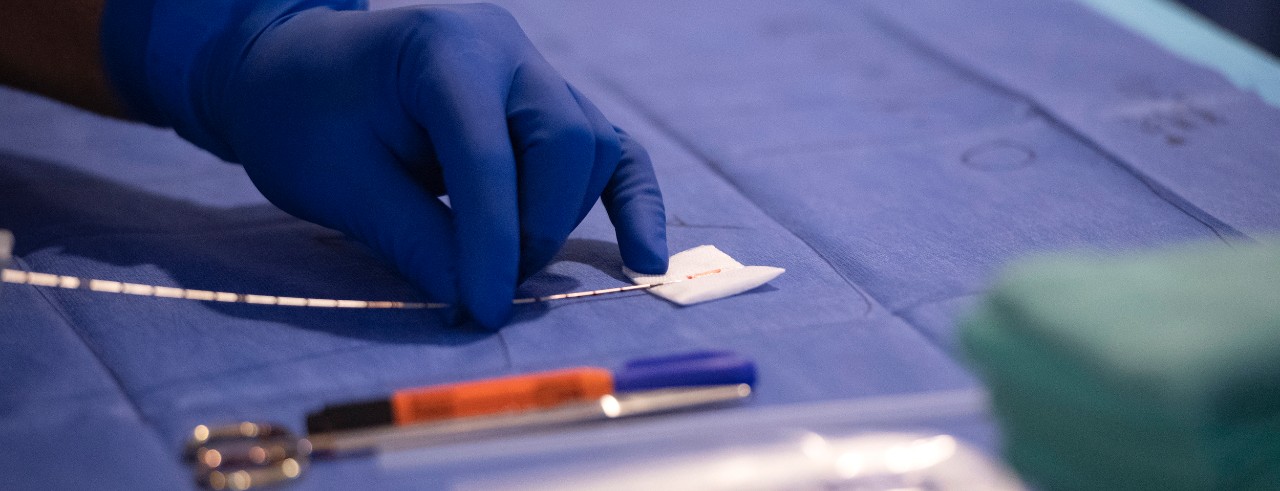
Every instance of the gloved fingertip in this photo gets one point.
(651, 258)
(634, 202)
(490, 313)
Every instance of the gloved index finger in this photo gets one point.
(634, 202)
(460, 103)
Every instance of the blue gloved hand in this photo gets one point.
(358, 120)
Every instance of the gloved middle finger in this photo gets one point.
(556, 148)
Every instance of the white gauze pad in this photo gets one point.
(709, 274)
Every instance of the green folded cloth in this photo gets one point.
(1151, 371)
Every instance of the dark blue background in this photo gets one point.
(1257, 21)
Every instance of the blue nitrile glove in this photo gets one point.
(357, 120)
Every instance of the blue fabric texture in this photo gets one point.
(890, 155)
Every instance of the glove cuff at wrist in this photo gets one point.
(160, 56)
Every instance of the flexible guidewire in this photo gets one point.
(105, 286)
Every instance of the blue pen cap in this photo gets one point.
(690, 369)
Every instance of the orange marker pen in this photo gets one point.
(490, 396)
(534, 391)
